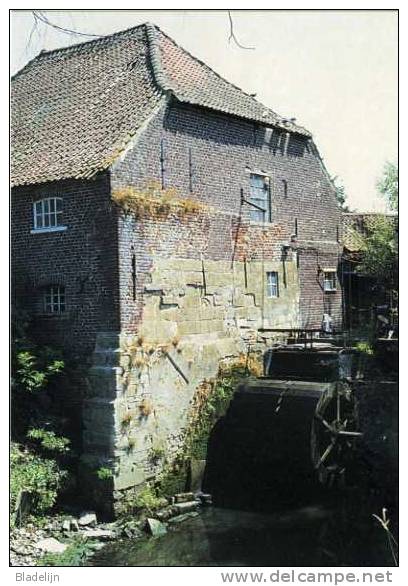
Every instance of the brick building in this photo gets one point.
(162, 222)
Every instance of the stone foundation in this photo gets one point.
(197, 315)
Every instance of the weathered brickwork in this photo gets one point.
(193, 277)
(162, 294)
(314, 301)
(82, 258)
(209, 157)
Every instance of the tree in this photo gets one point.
(379, 248)
(379, 244)
(388, 186)
(340, 194)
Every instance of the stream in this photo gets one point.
(308, 536)
(270, 507)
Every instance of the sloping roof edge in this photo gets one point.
(164, 86)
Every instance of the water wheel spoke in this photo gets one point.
(325, 454)
(350, 433)
(325, 423)
(338, 406)
(336, 415)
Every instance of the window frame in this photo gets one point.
(270, 286)
(266, 215)
(332, 282)
(47, 215)
(54, 300)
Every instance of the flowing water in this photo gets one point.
(271, 509)
(309, 536)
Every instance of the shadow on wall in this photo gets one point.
(296, 146)
(226, 130)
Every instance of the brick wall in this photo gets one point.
(314, 301)
(189, 278)
(83, 259)
(207, 156)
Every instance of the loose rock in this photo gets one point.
(100, 534)
(205, 498)
(181, 518)
(155, 527)
(186, 507)
(74, 525)
(184, 497)
(66, 525)
(87, 518)
(51, 545)
(166, 513)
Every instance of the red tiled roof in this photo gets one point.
(74, 110)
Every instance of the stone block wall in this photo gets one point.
(196, 315)
(192, 275)
(162, 295)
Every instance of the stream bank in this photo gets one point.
(315, 535)
(70, 539)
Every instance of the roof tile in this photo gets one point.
(73, 110)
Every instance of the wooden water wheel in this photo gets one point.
(335, 434)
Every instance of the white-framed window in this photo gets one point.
(47, 215)
(54, 299)
(260, 197)
(329, 282)
(272, 284)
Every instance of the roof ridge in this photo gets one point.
(81, 44)
(155, 58)
(160, 75)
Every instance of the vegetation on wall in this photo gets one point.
(153, 201)
(210, 402)
(39, 454)
(41, 477)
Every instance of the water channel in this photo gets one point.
(314, 535)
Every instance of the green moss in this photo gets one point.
(173, 478)
(215, 407)
(104, 473)
(211, 403)
(147, 500)
(365, 348)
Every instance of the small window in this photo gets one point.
(329, 283)
(54, 299)
(260, 198)
(272, 284)
(47, 213)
